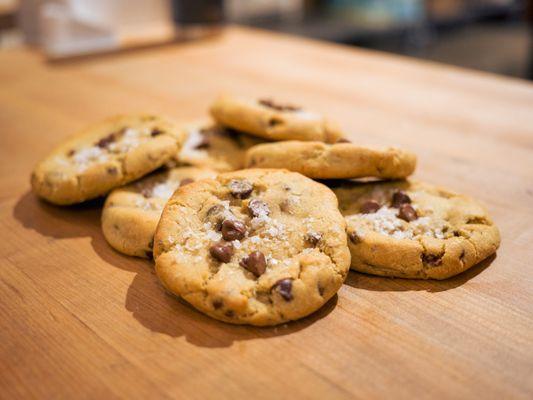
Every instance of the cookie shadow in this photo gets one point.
(146, 299)
(359, 280)
(166, 314)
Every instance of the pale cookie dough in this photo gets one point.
(218, 148)
(256, 246)
(131, 213)
(332, 161)
(102, 157)
(273, 121)
(414, 230)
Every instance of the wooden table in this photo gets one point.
(78, 320)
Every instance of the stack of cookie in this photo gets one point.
(235, 221)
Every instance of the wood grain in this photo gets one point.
(78, 320)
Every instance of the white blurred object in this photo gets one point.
(74, 27)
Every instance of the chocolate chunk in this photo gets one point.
(369, 207)
(258, 208)
(432, 259)
(233, 229)
(407, 213)
(255, 263)
(343, 140)
(277, 106)
(240, 189)
(186, 181)
(399, 198)
(156, 132)
(354, 238)
(284, 287)
(313, 238)
(221, 251)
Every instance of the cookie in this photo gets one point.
(131, 213)
(332, 161)
(102, 157)
(273, 121)
(218, 148)
(257, 247)
(414, 230)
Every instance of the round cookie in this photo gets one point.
(107, 155)
(413, 230)
(273, 121)
(256, 246)
(218, 148)
(131, 213)
(332, 161)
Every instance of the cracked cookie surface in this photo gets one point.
(273, 121)
(131, 212)
(215, 147)
(414, 230)
(107, 155)
(332, 161)
(256, 246)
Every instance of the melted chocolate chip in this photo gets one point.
(71, 152)
(233, 230)
(369, 207)
(221, 251)
(258, 208)
(432, 259)
(217, 304)
(149, 254)
(255, 263)
(354, 238)
(407, 213)
(156, 132)
(313, 238)
(107, 140)
(241, 189)
(284, 287)
(186, 181)
(146, 192)
(278, 106)
(112, 171)
(399, 198)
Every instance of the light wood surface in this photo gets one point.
(78, 320)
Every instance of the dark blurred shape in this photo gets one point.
(198, 12)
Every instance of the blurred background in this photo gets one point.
(488, 35)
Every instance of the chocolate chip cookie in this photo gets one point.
(272, 120)
(414, 230)
(131, 213)
(102, 157)
(255, 246)
(332, 161)
(215, 147)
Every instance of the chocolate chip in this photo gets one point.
(343, 140)
(407, 213)
(258, 208)
(284, 287)
(274, 121)
(149, 254)
(221, 251)
(215, 215)
(229, 313)
(217, 304)
(255, 263)
(156, 132)
(107, 140)
(233, 229)
(432, 259)
(313, 238)
(240, 189)
(277, 106)
(354, 238)
(369, 207)
(71, 152)
(112, 171)
(399, 198)
(146, 192)
(186, 181)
